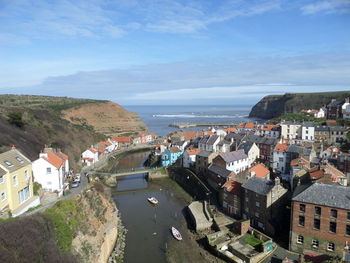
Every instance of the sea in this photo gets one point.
(159, 117)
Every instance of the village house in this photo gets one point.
(337, 134)
(291, 130)
(16, 184)
(217, 176)
(321, 113)
(263, 203)
(322, 134)
(203, 160)
(320, 220)
(50, 170)
(180, 144)
(212, 142)
(259, 171)
(189, 158)
(136, 139)
(89, 156)
(308, 131)
(170, 156)
(236, 161)
(203, 142)
(251, 150)
(280, 157)
(230, 198)
(223, 146)
(122, 141)
(334, 110)
(266, 146)
(265, 130)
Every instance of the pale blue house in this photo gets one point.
(170, 156)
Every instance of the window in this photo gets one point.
(257, 204)
(19, 159)
(9, 164)
(246, 199)
(26, 174)
(330, 246)
(300, 239)
(348, 215)
(333, 227)
(334, 213)
(347, 230)
(317, 210)
(247, 209)
(3, 196)
(317, 223)
(15, 182)
(280, 159)
(301, 221)
(23, 195)
(302, 208)
(257, 214)
(314, 243)
(48, 170)
(1, 179)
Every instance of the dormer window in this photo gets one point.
(19, 159)
(9, 164)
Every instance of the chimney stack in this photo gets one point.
(13, 147)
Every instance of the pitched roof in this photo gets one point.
(233, 156)
(204, 154)
(54, 159)
(219, 170)
(335, 104)
(13, 160)
(322, 128)
(193, 151)
(62, 155)
(260, 170)
(92, 150)
(245, 147)
(174, 150)
(2, 172)
(233, 187)
(281, 147)
(232, 129)
(204, 139)
(259, 185)
(212, 139)
(330, 195)
(122, 139)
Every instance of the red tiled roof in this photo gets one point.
(92, 150)
(188, 135)
(260, 170)
(100, 149)
(193, 151)
(281, 147)
(317, 175)
(105, 143)
(331, 122)
(54, 159)
(300, 161)
(232, 129)
(249, 125)
(122, 139)
(232, 187)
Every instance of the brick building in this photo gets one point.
(320, 220)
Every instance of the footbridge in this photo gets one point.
(149, 172)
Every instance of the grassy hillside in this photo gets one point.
(31, 122)
(273, 106)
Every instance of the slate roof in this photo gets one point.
(245, 147)
(222, 142)
(233, 156)
(212, 139)
(335, 104)
(308, 124)
(204, 139)
(235, 136)
(219, 170)
(204, 154)
(259, 185)
(322, 128)
(2, 172)
(330, 195)
(291, 123)
(13, 160)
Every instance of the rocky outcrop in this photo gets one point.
(273, 106)
(96, 242)
(108, 118)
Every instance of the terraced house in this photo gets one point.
(16, 184)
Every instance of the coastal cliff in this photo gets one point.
(273, 106)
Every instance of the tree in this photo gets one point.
(15, 118)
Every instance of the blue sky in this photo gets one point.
(174, 52)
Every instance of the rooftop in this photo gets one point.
(259, 185)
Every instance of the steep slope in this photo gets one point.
(276, 105)
(108, 118)
(30, 122)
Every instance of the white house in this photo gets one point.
(236, 161)
(291, 130)
(211, 143)
(280, 157)
(321, 113)
(189, 158)
(181, 145)
(50, 171)
(223, 146)
(251, 150)
(308, 131)
(90, 156)
(346, 109)
(203, 142)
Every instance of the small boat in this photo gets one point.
(152, 200)
(176, 233)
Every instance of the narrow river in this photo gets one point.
(148, 226)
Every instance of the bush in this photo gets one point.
(15, 118)
(99, 187)
(36, 188)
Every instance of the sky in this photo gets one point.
(163, 52)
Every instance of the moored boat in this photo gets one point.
(176, 233)
(152, 200)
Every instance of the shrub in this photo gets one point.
(99, 187)
(15, 118)
(36, 188)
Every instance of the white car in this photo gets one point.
(77, 178)
(74, 184)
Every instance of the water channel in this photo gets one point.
(148, 226)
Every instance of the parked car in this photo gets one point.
(74, 184)
(77, 178)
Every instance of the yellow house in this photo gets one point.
(16, 183)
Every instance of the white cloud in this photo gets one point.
(328, 6)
